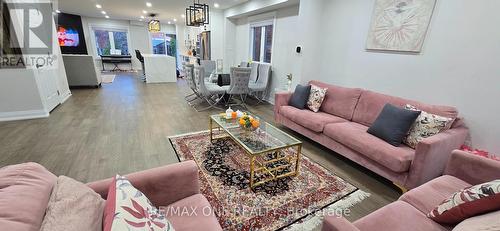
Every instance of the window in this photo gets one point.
(164, 44)
(261, 42)
(111, 42)
(158, 41)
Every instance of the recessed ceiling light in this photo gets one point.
(142, 16)
(144, 12)
(98, 6)
(58, 11)
(175, 20)
(183, 15)
(169, 22)
(103, 12)
(216, 5)
(148, 4)
(106, 16)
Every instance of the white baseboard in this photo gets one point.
(66, 96)
(23, 115)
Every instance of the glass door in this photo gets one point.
(158, 40)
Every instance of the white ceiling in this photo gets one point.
(167, 10)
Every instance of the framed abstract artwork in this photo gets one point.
(399, 25)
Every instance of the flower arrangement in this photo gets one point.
(249, 123)
(479, 152)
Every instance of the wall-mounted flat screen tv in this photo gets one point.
(70, 34)
(68, 37)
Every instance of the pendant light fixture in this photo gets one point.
(197, 14)
(154, 24)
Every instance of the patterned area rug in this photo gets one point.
(289, 203)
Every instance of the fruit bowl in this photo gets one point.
(248, 123)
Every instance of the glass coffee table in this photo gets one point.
(273, 153)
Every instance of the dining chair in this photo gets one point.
(188, 70)
(254, 74)
(209, 92)
(139, 56)
(243, 64)
(259, 88)
(240, 77)
(209, 66)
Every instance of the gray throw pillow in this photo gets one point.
(393, 124)
(300, 96)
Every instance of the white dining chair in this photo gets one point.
(243, 64)
(240, 77)
(209, 92)
(209, 66)
(254, 74)
(189, 75)
(259, 88)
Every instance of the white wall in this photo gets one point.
(139, 40)
(310, 26)
(217, 34)
(458, 65)
(256, 7)
(229, 44)
(242, 41)
(283, 52)
(18, 92)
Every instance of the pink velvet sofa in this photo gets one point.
(463, 170)
(344, 118)
(25, 191)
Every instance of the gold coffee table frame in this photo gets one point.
(284, 141)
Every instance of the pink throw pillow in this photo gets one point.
(468, 202)
(25, 191)
(109, 208)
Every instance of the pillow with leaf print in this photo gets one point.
(426, 125)
(468, 202)
(316, 98)
(129, 209)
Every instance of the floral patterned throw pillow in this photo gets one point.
(467, 203)
(426, 125)
(316, 98)
(129, 209)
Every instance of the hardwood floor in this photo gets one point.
(123, 127)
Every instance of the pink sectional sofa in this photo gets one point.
(25, 190)
(463, 170)
(344, 118)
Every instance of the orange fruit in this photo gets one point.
(255, 123)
